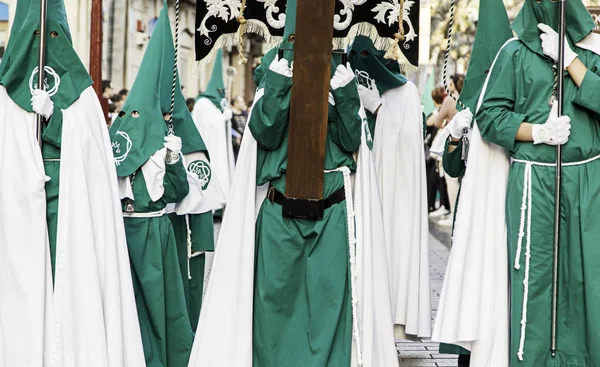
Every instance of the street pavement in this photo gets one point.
(425, 353)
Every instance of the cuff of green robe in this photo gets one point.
(588, 94)
(452, 161)
(346, 93)
(277, 83)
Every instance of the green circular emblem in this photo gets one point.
(202, 170)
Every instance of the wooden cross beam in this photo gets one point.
(309, 105)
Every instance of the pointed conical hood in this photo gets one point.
(525, 25)
(140, 129)
(215, 90)
(183, 123)
(493, 30)
(66, 76)
(370, 63)
(426, 100)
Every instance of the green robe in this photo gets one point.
(519, 88)
(203, 239)
(302, 302)
(51, 154)
(159, 293)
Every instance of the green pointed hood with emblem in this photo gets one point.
(183, 123)
(370, 63)
(525, 25)
(215, 90)
(493, 30)
(140, 129)
(66, 77)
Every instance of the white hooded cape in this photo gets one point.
(399, 153)
(224, 334)
(473, 311)
(216, 133)
(91, 318)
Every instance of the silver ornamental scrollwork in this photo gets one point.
(347, 12)
(272, 10)
(226, 10)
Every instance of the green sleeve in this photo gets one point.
(53, 132)
(175, 183)
(496, 118)
(347, 103)
(588, 94)
(270, 115)
(452, 161)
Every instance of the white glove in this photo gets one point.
(549, 39)
(370, 97)
(281, 67)
(173, 145)
(41, 103)
(227, 114)
(460, 122)
(342, 77)
(555, 131)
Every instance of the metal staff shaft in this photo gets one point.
(42, 54)
(557, 194)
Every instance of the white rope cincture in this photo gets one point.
(156, 214)
(526, 196)
(189, 244)
(523, 213)
(352, 251)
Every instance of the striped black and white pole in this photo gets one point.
(465, 140)
(175, 68)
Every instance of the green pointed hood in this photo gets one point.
(183, 123)
(369, 63)
(426, 100)
(215, 90)
(67, 77)
(493, 30)
(140, 129)
(579, 21)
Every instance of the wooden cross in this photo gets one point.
(309, 107)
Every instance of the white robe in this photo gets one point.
(224, 334)
(473, 311)
(399, 157)
(216, 133)
(91, 318)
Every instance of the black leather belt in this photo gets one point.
(277, 197)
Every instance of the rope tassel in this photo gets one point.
(394, 52)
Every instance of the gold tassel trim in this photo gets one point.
(394, 52)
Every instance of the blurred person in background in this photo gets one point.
(238, 122)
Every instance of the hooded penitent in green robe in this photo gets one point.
(519, 88)
(302, 304)
(493, 31)
(370, 64)
(66, 77)
(215, 90)
(200, 225)
(137, 134)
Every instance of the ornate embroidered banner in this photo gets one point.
(217, 25)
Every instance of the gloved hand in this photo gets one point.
(41, 103)
(173, 145)
(460, 122)
(281, 67)
(227, 114)
(555, 131)
(342, 77)
(370, 97)
(549, 39)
